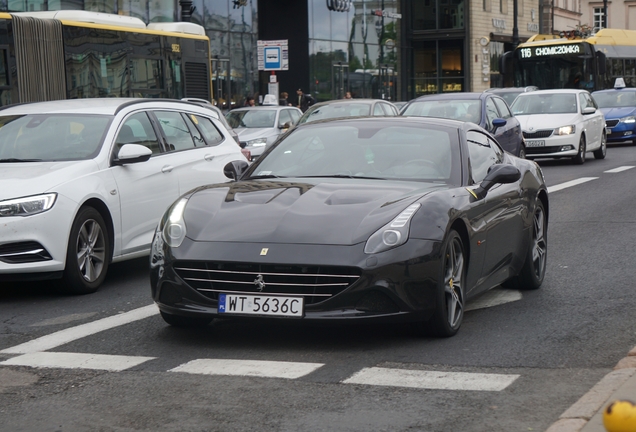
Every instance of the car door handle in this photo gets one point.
(167, 168)
(208, 157)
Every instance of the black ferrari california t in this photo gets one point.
(356, 219)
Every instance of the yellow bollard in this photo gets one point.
(620, 416)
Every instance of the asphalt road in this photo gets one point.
(518, 362)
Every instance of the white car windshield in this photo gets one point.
(552, 103)
(464, 110)
(51, 137)
(615, 99)
(256, 118)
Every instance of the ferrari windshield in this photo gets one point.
(464, 110)
(550, 103)
(615, 99)
(51, 137)
(254, 118)
(371, 149)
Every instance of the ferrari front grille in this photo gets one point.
(314, 283)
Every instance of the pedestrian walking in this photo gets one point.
(304, 101)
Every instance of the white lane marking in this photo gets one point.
(254, 368)
(619, 169)
(493, 297)
(570, 184)
(114, 363)
(432, 380)
(70, 334)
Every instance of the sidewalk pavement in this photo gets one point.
(586, 415)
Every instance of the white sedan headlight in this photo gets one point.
(630, 119)
(258, 142)
(393, 234)
(27, 206)
(174, 229)
(565, 130)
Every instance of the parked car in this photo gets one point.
(618, 105)
(562, 123)
(487, 110)
(84, 182)
(259, 126)
(509, 94)
(399, 105)
(356, 219)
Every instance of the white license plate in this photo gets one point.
(535, 143)
(261, 305)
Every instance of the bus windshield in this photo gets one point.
(555, 66)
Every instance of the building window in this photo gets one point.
(487, 6)
(503, 6)
(598, 18)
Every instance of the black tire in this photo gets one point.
(533, 271)
(602, 150)
(184, 322)
(88, 253)
(522, 152)
(449, 308)
(579, 159)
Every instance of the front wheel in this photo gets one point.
(522, 152)
(602, 150)
(533, 271)
(579, 159)
(88, 253)
(449, 308)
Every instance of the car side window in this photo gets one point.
(212, 135)
(503, 108)
(388, 109)
(377, 110)
(137, 129)
(198, 139)
(284, 117)
(295, 115)
(175, 130)
(482, 153)
(491, 113)
(590, 100)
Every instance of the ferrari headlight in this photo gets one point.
(393, 234)
(566, 130)
(258, 142)
(630, 119)
(27, 206)
(174, 228)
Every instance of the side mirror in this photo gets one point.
(242, 144)
(497, 174)
(132, 153)
(498, 122)
(235, 169)
(589, 110)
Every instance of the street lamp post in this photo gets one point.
(515, 29)
(186, 10)
(604, 13)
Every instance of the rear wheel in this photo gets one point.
(579, 159)
(602, 150)
(449, 308)
(88, 253)
(533, 271)
(184, 322)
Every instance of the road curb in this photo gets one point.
(578, 415)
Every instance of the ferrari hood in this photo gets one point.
(535, 122)
(19, 179)
(617, 113)
(323, 211)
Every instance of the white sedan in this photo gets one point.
(561, 123)
(84, 182)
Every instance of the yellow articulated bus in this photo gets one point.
(573, 60)
(73, 54)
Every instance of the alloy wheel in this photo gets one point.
(453, 283)
(91, 250)
(539, 242)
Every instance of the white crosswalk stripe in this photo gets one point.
(114, 363)
(619, 169)
(432, 380)
(254, 368)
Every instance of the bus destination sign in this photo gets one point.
(550, 50)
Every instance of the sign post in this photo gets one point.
(273, 55)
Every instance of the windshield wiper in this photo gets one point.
(20, 160)
(351, 176)
(265, 176)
